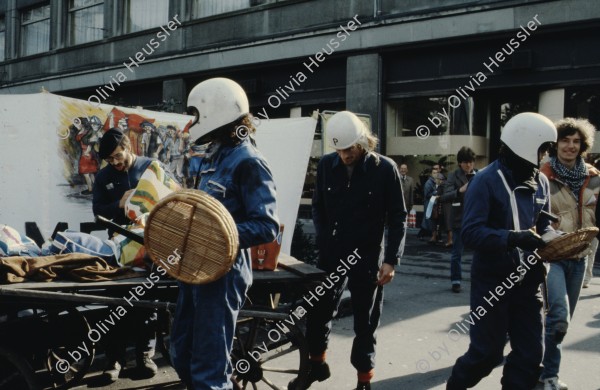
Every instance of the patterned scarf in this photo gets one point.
(573, 178)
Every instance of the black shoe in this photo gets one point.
(319, 371)
(451, 385)
(146, 367)
(456, 288)
(363, 386)
(111, 374)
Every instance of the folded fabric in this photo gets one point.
(71, 241)
(13, 244)
(154, 185)
(74, 266)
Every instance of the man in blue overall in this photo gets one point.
(237, 175)
(503, 224)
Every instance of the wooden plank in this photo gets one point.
(298, 267)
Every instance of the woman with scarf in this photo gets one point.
(574, 190)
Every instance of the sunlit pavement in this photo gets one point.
(421, 333)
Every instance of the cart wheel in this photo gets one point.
(15, 372)
(270, 351)
(69, 330)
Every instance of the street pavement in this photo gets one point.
(419, 338)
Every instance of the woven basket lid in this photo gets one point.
(194, 231)
(568, 246)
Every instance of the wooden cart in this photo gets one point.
(42, 324)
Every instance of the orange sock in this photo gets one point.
(365, 377)
(318, 358)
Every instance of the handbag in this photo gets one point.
(430, 205)
(264, 256)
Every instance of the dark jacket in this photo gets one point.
(453, 196)
(351, 213)
(110, 185)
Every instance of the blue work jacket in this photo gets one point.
(488, 218)
(239, 177)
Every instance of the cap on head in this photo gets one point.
(109, 142)
(215, 103)
(526, 132)
(345, 129)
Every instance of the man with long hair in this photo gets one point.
(357, 192)
(236, 174)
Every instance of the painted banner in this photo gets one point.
(49, 156)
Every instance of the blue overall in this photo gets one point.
(203, 328)
(512, 307)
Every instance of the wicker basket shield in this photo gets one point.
(192, 236)
(568, 246)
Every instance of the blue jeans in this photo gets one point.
(204, 325)
(564, 285)
(455, 259)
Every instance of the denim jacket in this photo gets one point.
(239, 177)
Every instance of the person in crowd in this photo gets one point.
(574, 188)
(235, 173)
(502, 222)
(408, 187)
(437, 213)
(428, 192)
(589, 270)
(113, 186)
(357, 190)
(454, 194)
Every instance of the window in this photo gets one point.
(35, 30)
(145, 14)
(2, 37)
(203, 8)
(441, 115)
(86, 21)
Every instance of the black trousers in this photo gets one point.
(367, 303)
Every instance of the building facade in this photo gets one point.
(431, 75)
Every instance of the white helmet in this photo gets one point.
(216, 102)
(526, 132)
(344, 129)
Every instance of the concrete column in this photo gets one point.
(363, 90)
(175, 89)
(552, 104)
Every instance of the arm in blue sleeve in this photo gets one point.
(396, 215)
(257, 191)
(475, 230)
